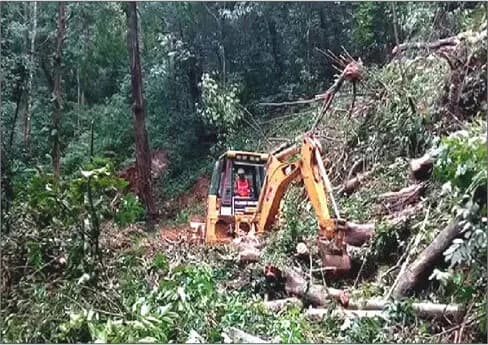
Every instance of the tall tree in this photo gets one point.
(28, 111)
(143, 155)
(58, 104)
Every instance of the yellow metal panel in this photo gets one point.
(233, 154)
(212, 217)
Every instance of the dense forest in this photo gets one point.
(114, 113)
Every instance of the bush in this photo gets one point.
(130, 210)
(220, 106)
(462, 159)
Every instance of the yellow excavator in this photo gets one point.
(269, 176)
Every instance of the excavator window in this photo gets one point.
(224, 178)
(227, 183)
(216, 177)
(254, 173)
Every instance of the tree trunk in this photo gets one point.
(279, 304)
(143, 155)
(374, 308)
(359, 234)
(58, 105)
(421, 168)
(28, 111)
(317, 295)
(273, 34)
(19, 92)
(424, 263)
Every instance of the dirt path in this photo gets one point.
(196, 196)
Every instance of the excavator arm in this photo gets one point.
(285, 167)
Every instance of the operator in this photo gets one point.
(242, 185)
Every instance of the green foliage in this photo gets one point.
(183, 301)
(386, 241)
(371, 20)
(473, 18)
(462, 159)
(399, 124)
(297, 223)
(53, 218)
(470, 250)
(220, 105)
(415, 20)
(364, 330)
(130, 210)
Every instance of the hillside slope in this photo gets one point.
(165, 287)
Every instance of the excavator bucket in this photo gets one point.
(337, 263)
(332, 248)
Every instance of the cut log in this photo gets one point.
(431, 310)
(238, 336)
(318, 314)
(353, 184)
(449, 41)
(302, 249)
(404, 215)
(280, 304)
(375, 307)
(358, 234)
(317, 295)
(421, 168)
(404, 192)
(424, 263)
(422, 309)
(394, 201)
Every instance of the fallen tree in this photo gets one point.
(424, 263)
(460, 54)
(318, 314)
(358, 234)
(449, 41)
(372, 308)
(319, 296)
(421, 168)
(280, 304)
(315, 294)
(353, 184)
(393, 201)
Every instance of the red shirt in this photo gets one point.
(242, 187)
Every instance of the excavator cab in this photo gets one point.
(229, 212)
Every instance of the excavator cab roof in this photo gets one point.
(255, 157)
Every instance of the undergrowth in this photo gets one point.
(170, 294)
